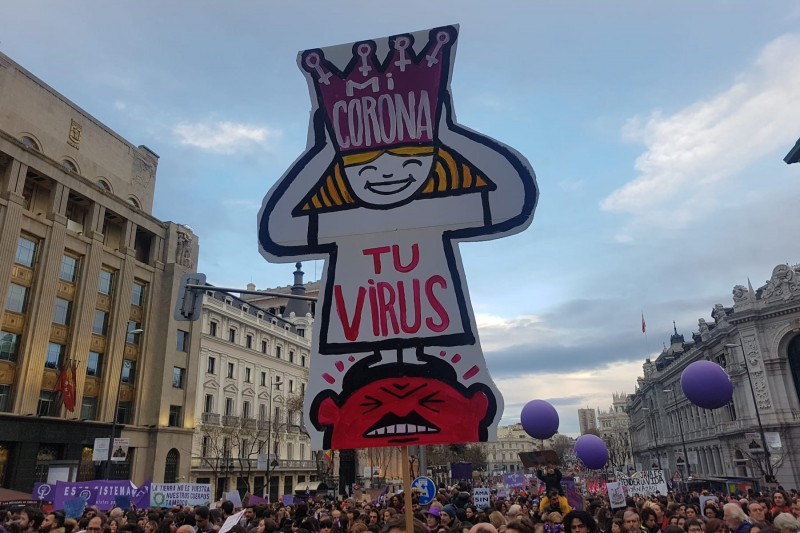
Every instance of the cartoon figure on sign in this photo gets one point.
(387, 188)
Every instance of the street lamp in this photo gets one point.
(271, 463)
(683, 439)
(769, 472)
(116, 411)
(655, 434)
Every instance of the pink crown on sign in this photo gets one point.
(373, 105)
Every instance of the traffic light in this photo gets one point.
(189, 306)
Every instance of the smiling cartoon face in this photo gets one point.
(403, 411)
(389, 179)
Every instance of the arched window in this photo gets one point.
(793, 353)
(69, 165)
(134, 202)
(30, 142)
(103, 184)
(171, 466)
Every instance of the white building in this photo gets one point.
(614, 428)
(245, 352)
(502, 455)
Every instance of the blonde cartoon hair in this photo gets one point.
(451, 174)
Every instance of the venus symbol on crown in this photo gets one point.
(387, 188)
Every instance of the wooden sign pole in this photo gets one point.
(407, 491)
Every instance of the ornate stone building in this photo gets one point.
(88, 277)
(764, 326)
(502, 455)
(245, 352)
(614, 429)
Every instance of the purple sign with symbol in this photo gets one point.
(514, 480)
(101, 494)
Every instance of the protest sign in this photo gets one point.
(704, 500)
(616, 494)
(234, 497)
(644, 483)
(514, 480)
(43, 492)
(388, 187)
(169, 494)
(100, 450)
(100, 493)
(574, 497)
(257, 500)
(73, 507)
(231, 521)
(481, 497)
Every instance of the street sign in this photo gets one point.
(426, 489)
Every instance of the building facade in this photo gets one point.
(587, 420)
(614, 429)
(502, 455)
(251, 381)
(88, 279)
(757, 341)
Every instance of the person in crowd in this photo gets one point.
(53, 523)
(715, 525)
(433, 520)
(554, 502)
(617, 526)
(632, 522)
(694, 525)
(781, 504)
(786, 523)
(579, 522)
(497, 519)
(649, 520)
(551, 477)
(735, 519)
(522, 525)
(449, 518)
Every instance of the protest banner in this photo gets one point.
(100, 450)
(231, 521)
(514, 480)
(574, 497)
(481, 497)
(99, 493)
(387, 189)
(120, 450)
(616, 494)
(235, 498)
(169, 494)
(644, 483)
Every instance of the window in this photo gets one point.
(124, 412)
(205, 446)
(262, 412)
(248, 375)
(26, 252)
(183, 341)
(246, 410)
(171, 466)
(289, 451)
(291, 356)
(88, 408)
(229, 407)
(303, 389)
(301, 332)
(212, 328)
(175, 418)
(100, 325)
(5, 398)
(106, 284)
(69, 269)
(302, 360)
(55, 355)
(212, 365)
(263, 379)
(61, 312)
(137, 293)
(178, 375)
(29, 142)
(94, 366)
(208, 406)
(264, 346)
(248, 341)
(232, 335)
(17, 298)
(69, 165)
(9, 346)
(278, 352)
(128, 371)
(130, 337)
(231, 370)
(291, 385)
(47, 403)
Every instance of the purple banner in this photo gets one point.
(574, 498)
(461, 470)
(43, 492)
(100, 493)
(514, 480)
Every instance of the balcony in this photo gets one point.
(230, 421)
(263, 425)
(211, 418)
(249, 423)
(238, 465)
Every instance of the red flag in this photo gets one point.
(69, 387)
(644, 326)
(62, 379)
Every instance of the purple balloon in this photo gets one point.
(539, 419)
(592, 451)
(706, 385)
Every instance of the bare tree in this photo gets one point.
(617, 444)
(443, 454)
(561, 444)
(757, 457)
(232, 448)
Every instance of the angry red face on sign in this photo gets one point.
(403, 410)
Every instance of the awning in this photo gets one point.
(310, 486)
(8, 495)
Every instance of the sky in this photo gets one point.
(656, 130)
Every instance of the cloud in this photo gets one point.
(224, 137)
(694, 150)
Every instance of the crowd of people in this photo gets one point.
(452, 511)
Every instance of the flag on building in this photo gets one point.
(66, 382)
(328, 455)
(644, 326)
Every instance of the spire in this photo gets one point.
(298, 307)
(674, 327)
(750, 292)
